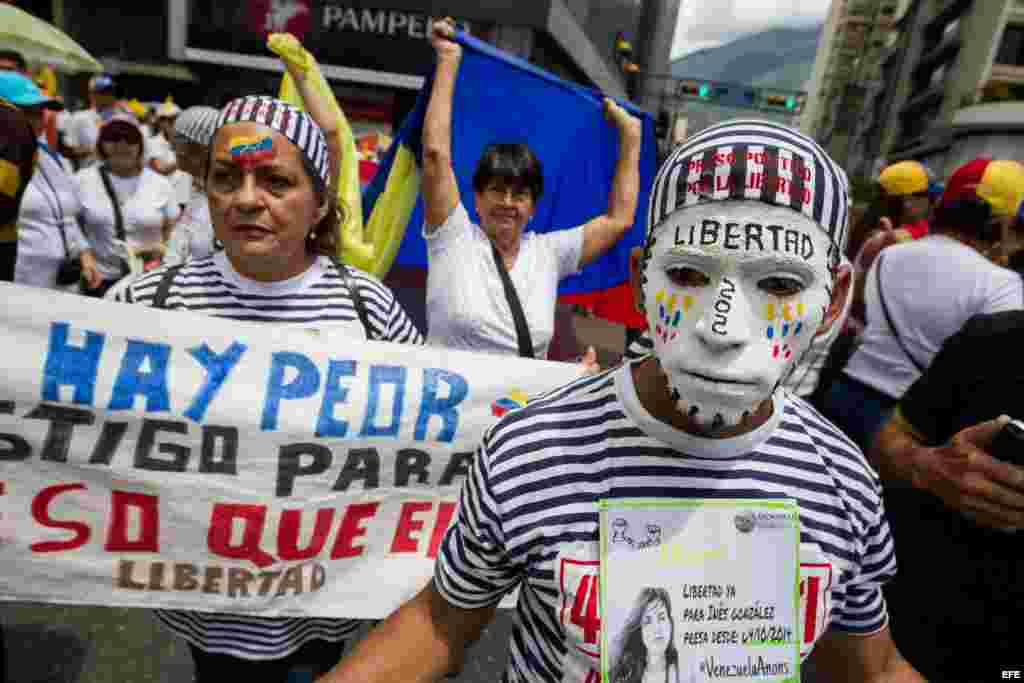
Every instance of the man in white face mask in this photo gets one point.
(739, 275)
(741, 269)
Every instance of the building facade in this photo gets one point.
(847, 70)
(375, 53)
(955, 71)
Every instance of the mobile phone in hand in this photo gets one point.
(1008, 445)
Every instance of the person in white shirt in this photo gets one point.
(193, 235)
(920, 293)
(467, 307)
(145, 200)
(47, 232)
(159, 151)
(83, 127)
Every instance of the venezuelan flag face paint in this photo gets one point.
(252, 150)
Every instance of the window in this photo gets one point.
(1011, 49)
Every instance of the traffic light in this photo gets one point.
(694, 89)
(624, 54)
(623, 48)
(792, 103)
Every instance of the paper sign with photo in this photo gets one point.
(700, 590)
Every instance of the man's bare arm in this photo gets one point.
(425, 640)
(846, 658)
(960, 473)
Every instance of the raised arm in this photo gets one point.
(604, 231)
(425, 640)
(298, 62)
(440, 189)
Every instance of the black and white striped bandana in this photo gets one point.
(197, 124)
(755, 160)
(293, 123)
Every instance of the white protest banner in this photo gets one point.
(164, 459)
(708, 589)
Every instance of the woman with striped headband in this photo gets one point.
(267, 185)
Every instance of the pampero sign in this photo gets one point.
(382, 42)
(339, 18)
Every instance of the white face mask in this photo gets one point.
(734, 292)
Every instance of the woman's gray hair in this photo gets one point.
(197, 125)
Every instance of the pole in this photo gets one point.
(654, 43)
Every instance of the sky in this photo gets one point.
(709, 23)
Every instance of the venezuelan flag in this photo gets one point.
(500, 98)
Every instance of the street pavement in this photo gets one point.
(59, 644)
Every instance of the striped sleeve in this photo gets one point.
(401, 328)
(137, 289)
(639, 347)
(864, 611)
(387, 317)
(473, 569)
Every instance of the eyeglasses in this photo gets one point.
(500, 192)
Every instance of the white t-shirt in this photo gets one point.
(146, 201)
(182, 183)
(50, 199)
(158, 148)
(931, 287)
(466, 304)
(193, 234)
(83, 128)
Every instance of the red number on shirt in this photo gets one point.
(810, 590)
(815, 583)
(585, 608)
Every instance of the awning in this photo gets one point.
(173, 72)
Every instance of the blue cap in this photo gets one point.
(101, 83)
(20, 91)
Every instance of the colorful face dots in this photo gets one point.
(251, 149)
(784, 321)
(672, 310)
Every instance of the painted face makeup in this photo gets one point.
(252, 150)
(734, 292)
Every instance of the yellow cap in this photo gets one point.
(904, 178)
(168, 109)
(1002, 186)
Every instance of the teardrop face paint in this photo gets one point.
(734, 291)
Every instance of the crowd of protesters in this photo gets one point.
(919, 302)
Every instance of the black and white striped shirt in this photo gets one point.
(528, 514)
(319, 300)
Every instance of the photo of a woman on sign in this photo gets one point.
(645, 650)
